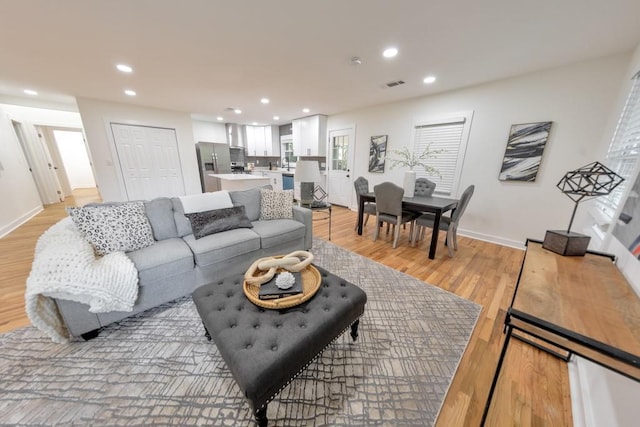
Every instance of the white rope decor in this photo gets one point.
(295, 261)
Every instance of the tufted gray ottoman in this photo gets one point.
(265, 349)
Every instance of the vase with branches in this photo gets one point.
(409, 159)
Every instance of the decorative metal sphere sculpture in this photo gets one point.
(592, 180)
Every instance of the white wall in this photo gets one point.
(96, 116)
(75, 159)
(18, 192)
(601, 396)
(578, 99)
(209, 132)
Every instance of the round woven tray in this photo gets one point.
(311, 280)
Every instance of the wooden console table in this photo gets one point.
(577, 305)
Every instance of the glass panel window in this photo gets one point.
(340, 152)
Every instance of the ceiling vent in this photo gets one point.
(396, 83)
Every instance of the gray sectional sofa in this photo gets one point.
(178, 263)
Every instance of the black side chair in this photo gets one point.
(362, 187)
(448, 224)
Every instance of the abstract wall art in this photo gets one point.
(524, 151)
(377, 153)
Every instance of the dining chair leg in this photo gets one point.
(396, 233)
(366, 219)
(375, 233)
(450, 243)
(454, 233)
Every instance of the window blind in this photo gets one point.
(447, 137)
(624, 150)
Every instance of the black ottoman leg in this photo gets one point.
(90, 335)
(206, 332)
(354, 329)
(261, 417)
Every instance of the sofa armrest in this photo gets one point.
(303, 215)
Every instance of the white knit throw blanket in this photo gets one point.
(66, 267)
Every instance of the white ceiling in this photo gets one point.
(203, 56)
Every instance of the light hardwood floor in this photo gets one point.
(533, 389)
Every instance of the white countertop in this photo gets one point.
(236, 176)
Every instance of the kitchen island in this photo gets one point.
(238, 181)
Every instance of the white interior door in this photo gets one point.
(149, 161)
(40, 163)
(340, 165)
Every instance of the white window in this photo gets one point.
(450, 135)
(625, 148)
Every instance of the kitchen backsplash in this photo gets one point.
(276, 162)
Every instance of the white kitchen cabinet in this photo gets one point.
(310, 136)
(275, 179)
(262, 141)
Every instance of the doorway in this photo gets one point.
(340, 165)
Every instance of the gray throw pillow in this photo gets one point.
(217, 220)
(122, 227)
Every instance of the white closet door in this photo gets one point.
(149, 161)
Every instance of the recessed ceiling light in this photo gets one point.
(237, 111)
(390, 52)
(130, 92)
(276, 118)
(265, 100)
(305, 110)
(255, 123)
(429, 79)
(220, 118)
(30, 92)
(124, 68)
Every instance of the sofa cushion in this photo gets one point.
(277, 231)
(276, 204)
(218, 220)
(250, 199)
(122, 227)
(206, 201)
(182, 222)
(160, 214)
(222, 246)
(169, 257)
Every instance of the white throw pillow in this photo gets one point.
(206, 201)
(113, 228)
(276, 204)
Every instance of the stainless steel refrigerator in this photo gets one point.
(213, 158)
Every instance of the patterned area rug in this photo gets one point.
(158, 369)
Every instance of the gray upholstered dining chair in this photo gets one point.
(424, 187)
(448, 224)
(389, 209)
(362, 187)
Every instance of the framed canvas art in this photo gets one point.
(524, 151)
(377, 153)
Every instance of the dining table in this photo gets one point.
(431, 204)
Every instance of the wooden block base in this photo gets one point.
(566, 243)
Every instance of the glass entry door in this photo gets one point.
(339, 179)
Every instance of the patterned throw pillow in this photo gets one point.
(217, 220)
(276, 204)
(113, 228)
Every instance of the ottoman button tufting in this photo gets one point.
(248, 346)
(274, 348)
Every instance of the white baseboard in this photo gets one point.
(601, 397)
(6, 229)
(577, 397)
(492, 239)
